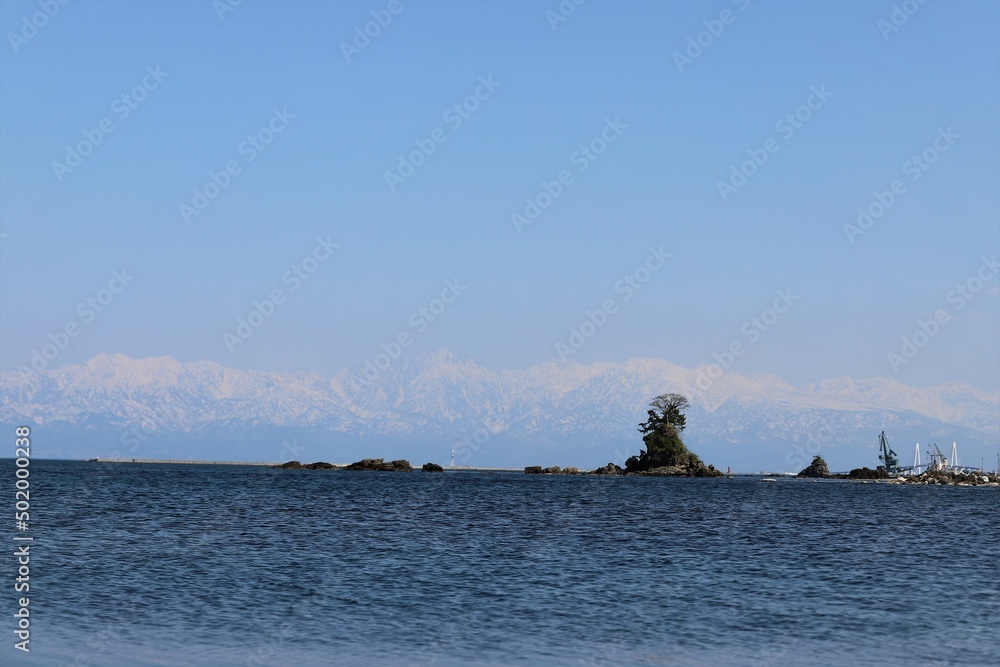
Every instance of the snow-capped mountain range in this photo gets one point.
(562, 413)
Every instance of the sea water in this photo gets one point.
(135, 565)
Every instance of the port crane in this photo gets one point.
(938, 460)
(889, 459)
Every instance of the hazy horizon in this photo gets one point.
(26, 369)
(426, 407)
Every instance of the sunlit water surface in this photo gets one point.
(137, 565)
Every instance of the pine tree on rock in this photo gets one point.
(661, 435)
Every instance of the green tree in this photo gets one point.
(666, 410)
(664, 446)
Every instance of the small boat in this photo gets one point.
(769, 479)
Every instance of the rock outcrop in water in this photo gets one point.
(665, 454)
(431, 467)
(818, 468)
(610, 469)
(947, 477)
(868, 473)
(551, 470)
(696, 469)
(400, 465)
(295, 465)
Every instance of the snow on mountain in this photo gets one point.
(436, 400)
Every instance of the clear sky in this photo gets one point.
(199, 83)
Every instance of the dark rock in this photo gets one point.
(551, 470)
(320, 465)
(610, 469)
(365, 464)
(702, 470)
(295, 465)
(867, 473)
(669, 471)
(693, 469)
(663, 471)
(400, 465)
(432, 467)
(818, 468)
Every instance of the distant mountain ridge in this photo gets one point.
(554, 413)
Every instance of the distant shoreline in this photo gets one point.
(255, 463)
(178, 462)
(341, 466)
(259, 464)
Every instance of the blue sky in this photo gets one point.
(343, 125)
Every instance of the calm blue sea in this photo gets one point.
(137, 565)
